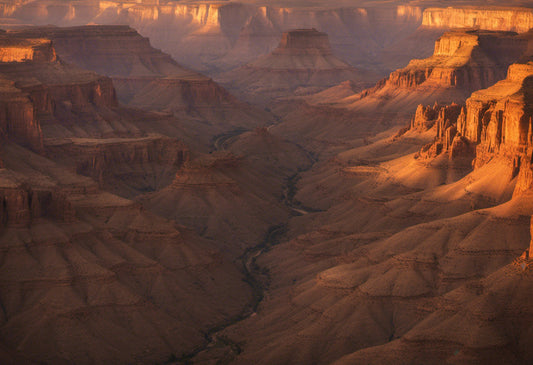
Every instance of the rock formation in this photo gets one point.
(83, 267)
(507, 19)
(463, 61)
(72, 114)
(126, 166)
(147, 78)
(17, 117)
(22, 50)
(302, 62)
(222, 36)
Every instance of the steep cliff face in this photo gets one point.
(123, 165)
(447, 139)
(463, 61)
(303, 60)
(470, 60)
(18, 121)
(145, 77)
(21, 50)
(510, 19)
(20, 205)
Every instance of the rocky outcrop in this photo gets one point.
(115, 51)
(21, 205)
(60, 94)
(17, 117)
(111, 50)
(444, 119)
(463, 61)
(23, 50)
(145, 77)
(507, 19)
(225, 35)
(123, 165)
(303, 60)
(467, 60)
(495, 122)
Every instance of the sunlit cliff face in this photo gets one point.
(518, 20)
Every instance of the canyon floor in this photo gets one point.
(280, 183)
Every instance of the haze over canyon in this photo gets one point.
(266, 182)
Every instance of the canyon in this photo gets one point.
(281, 183)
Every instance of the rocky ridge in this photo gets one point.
(463, 61)
(223, 36)
(147, 78)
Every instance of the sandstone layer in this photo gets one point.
(497, 18)
(463, 61)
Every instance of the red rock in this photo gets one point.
(17, 117)
(464, 60)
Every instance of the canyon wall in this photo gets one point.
(17, 117)
(144, 77)
(222, 36)
(21, 205)
(463, 61)
(470, 60)
(21, 50)
(510, 19)
(494, 123)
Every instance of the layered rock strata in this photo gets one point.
(147, 78)
(303, 60)
(222, 36)
(18, 121)
(507, 19)
(21, 50)
(495, 123)
(123, 165)
(73, 115)
(222, 195)
(463, 61)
